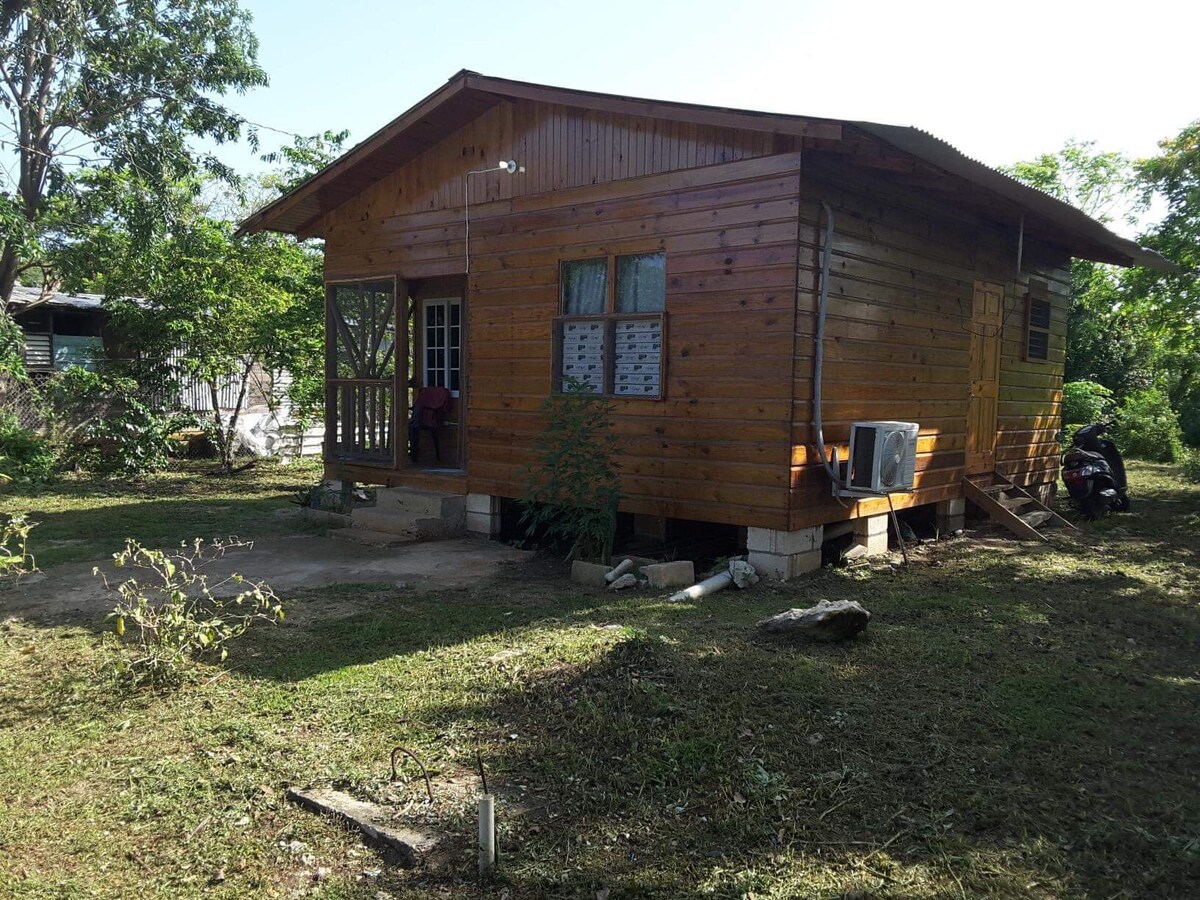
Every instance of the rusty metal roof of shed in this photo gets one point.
(468, 95)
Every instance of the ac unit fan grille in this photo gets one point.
(892, 458)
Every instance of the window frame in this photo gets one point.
(610, 317)
(1038, 293)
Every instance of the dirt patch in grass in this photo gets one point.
(1017, 721)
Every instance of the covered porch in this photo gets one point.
(395, 382)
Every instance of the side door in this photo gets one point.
(987, 322)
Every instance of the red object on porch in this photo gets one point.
(432, 406)
(429, 412)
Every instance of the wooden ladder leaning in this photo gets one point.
(1004, 501)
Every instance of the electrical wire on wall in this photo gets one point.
(819, 355)
(510, 166)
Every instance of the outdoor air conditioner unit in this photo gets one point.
(883, 457)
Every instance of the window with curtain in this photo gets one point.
(610, 332)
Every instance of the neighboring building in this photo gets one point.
(65, 330)
(670, 255)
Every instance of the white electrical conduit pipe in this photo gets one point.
(487, 835)
(819, 356)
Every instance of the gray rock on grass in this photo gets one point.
(828, 621)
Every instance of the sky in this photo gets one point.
(1000, 81)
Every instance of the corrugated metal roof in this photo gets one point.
(944, 155)
(464, 96)
(24, 296)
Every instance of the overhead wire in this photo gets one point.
(160, 95)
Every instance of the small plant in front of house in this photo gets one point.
(574, 489)
(15, 558)
(171, 614)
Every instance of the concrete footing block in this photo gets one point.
(871, 532)
(483, 515)
(375, 822)
(781, 555)
(681, 573)
(781, 567)
(951, 516)
(589, 574)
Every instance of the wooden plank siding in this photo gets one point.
(717, 446)
(738, 217)
(898, 335)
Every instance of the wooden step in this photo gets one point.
(1014, 503)
(1001, 499)
(1037, 517)
(997, 513)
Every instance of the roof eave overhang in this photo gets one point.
(1057, 222)
(468, 94)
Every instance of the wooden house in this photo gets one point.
(501, 236)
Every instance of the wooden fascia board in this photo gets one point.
(696, 115)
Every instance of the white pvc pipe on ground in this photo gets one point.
(705, 587)
(487, 835)
(621, 568)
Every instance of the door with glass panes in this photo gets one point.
(442, 365)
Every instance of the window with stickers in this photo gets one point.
(610, 331)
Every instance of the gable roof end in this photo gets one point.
(467, 95)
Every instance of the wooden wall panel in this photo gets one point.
(717, 447)
(732, 440)
(898, 334)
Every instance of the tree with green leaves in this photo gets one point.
(179, 283)
(120, 84)
(1169, 302)
(1103, 343)
(1135, 331)
(574, 490)
(226, 308)
(1102, 184)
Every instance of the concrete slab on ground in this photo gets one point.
(288, 563)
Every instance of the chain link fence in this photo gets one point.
(23, 402)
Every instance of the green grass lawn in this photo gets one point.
(84, 519)
(1017, 721)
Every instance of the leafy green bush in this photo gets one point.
(15, 558)
(1191, 465)
(24, 454)
(1085, 402)
(103, 425)
(1149, 427)
(172, 614)
(573, 492)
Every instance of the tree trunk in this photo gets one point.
(222, 439)
(227, 429)
(8, 274)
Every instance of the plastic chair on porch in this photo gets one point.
(428, 414)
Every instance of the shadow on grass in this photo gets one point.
(1004, 725)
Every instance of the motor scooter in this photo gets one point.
(1094, 472)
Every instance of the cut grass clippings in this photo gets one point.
(1017, 721)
